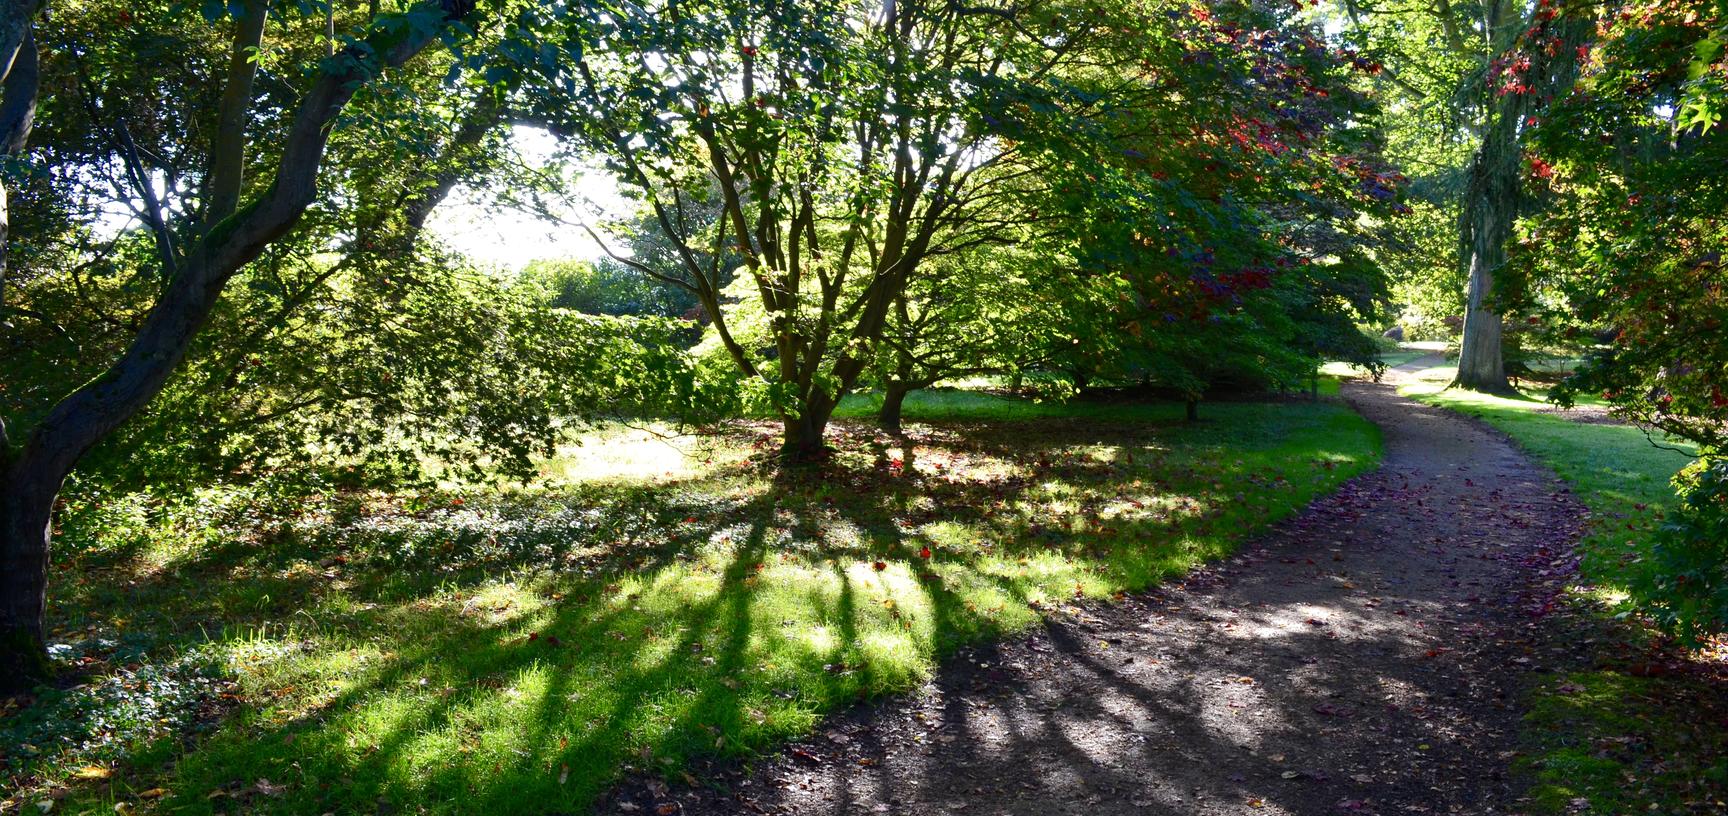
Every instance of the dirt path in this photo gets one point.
(1364, 657)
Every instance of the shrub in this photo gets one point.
(1686, 587)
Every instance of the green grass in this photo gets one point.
(1392, 359)
(1616, 470)
(515, 651)
(1604, 741)
(1613, 743)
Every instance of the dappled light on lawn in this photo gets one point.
(565, 634)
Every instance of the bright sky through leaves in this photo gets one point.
(477, 225)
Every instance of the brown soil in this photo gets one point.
(1587, 414)
(1364, 657)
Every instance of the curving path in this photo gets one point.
(1364, 657)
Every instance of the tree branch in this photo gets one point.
(228, 148)
(86, 416)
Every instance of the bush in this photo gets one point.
(1685, 587)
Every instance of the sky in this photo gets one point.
(472, 222)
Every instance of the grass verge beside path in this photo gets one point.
(513, 651)
(1633, 733)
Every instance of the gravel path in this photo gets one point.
(1364, 657)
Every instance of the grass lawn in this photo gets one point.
(1610, 740)
(513, 651)
(1392, 359)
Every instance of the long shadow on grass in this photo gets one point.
(444, 698)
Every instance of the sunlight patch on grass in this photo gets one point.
(619, 454)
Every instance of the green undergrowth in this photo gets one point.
(1631, 734)
(514, 651)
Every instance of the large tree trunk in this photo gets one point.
(1492, 199)
(1490, 209)
(26, 509)
(893, 401)
(803, 437)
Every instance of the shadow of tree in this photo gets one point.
(1361, 658)
(514, 654)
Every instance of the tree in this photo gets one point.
(1485, 73)
(1235, 251)
(1533, 68)
(605, 287)
(989, 310)
(848, 146)
(1636, 166)
(223, 238)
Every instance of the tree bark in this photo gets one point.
(803, 440)
(1490, 208)
(893, 401)
(87, 416)
(26, 507)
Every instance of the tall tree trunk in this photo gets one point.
(1191, 410)
(893, 401)
(1490, 209)
(1493, 197)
